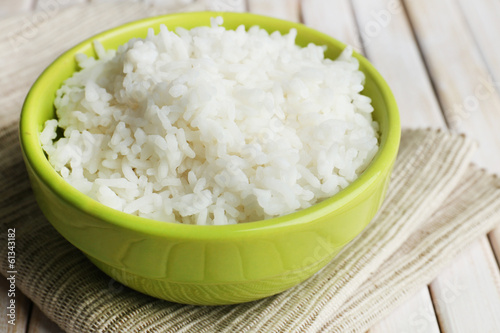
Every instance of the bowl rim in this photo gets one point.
(38, 163)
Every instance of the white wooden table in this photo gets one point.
(442, 60)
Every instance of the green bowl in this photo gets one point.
(206, 264)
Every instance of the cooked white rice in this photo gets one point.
(212, 126)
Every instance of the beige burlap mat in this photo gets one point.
(437, 204)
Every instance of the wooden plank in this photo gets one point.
(415, 315)
(336, 18)
(466, 301)
(482, 20)
(9, 8)
(22, 309)
(385, 28)
(470, 103)
(467, 95)
(284, 9)
(101, 1)
(39, 323)
(53, 6)
(224, 5)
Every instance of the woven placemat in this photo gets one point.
(436, 205)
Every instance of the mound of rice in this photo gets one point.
(212, 126)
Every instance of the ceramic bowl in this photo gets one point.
(206, 264)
